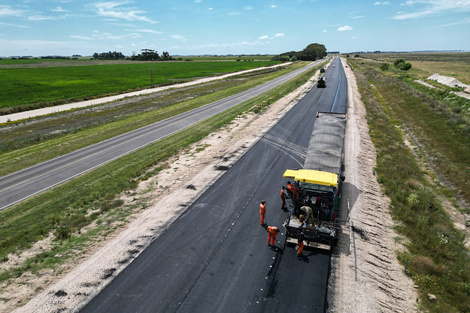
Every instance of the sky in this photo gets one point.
(219, 27)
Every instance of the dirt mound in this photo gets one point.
(448, 81)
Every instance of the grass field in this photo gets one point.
(25, 88)
(436, 258)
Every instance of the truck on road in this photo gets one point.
(317, 185)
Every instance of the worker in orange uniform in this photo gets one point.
(283, 198)
(290, 189)
(272, 231)
(300, 235)
(262, 212)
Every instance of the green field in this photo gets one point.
(25, 88)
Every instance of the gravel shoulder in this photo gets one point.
(369, 279)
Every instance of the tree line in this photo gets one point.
(145, 55)
(312, 52)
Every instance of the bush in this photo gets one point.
(384, 66)
(62, 232)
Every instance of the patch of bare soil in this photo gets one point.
(365, 273)
(166, 196)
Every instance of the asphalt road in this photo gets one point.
(215, 258)
(26, 183)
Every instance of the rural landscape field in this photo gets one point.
(53, 82)
(421, 135)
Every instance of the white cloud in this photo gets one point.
(197, 1)
(150, 31)
(58, 9)
(44, 18)
(248, 8)
(279, 35)
(324, 30)
(110, 9)
(6, 10)
(431, 7)
(82, 37)
(14, 25)
(382, 3)
(263, 37)
(344, 28)
(273, 6)
(178, 37)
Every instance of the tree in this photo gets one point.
(166, 56)
(401, 64)
(149, 55)
(312, 52)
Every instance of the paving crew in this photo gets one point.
(300, 235)
(262, 212)
(272, 231)
(283, 198)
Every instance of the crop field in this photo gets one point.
(25, 88)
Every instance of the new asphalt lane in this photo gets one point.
(28, 182)
(215, 258)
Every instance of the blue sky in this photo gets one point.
(193, 27)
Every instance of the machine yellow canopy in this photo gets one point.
(313, 177)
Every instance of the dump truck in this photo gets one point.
(321, 83)
(316, 187)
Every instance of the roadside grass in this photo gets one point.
(35, 87)
(94, 197)
(23, 144)
(436, 258)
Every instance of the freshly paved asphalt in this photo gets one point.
(214, 258)
(31, 181)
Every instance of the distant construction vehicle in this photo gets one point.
(317, 186)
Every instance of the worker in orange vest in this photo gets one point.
(262, 211)
(283, 198)
(290, 188)
(272, 231)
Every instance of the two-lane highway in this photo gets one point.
(215, 258)
(26, 183)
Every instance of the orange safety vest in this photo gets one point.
(291, 188)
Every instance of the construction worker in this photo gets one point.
(272, 231)
(262, 211)
(300, 235)
(290, 189)
(283, 198)
(309, 213)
